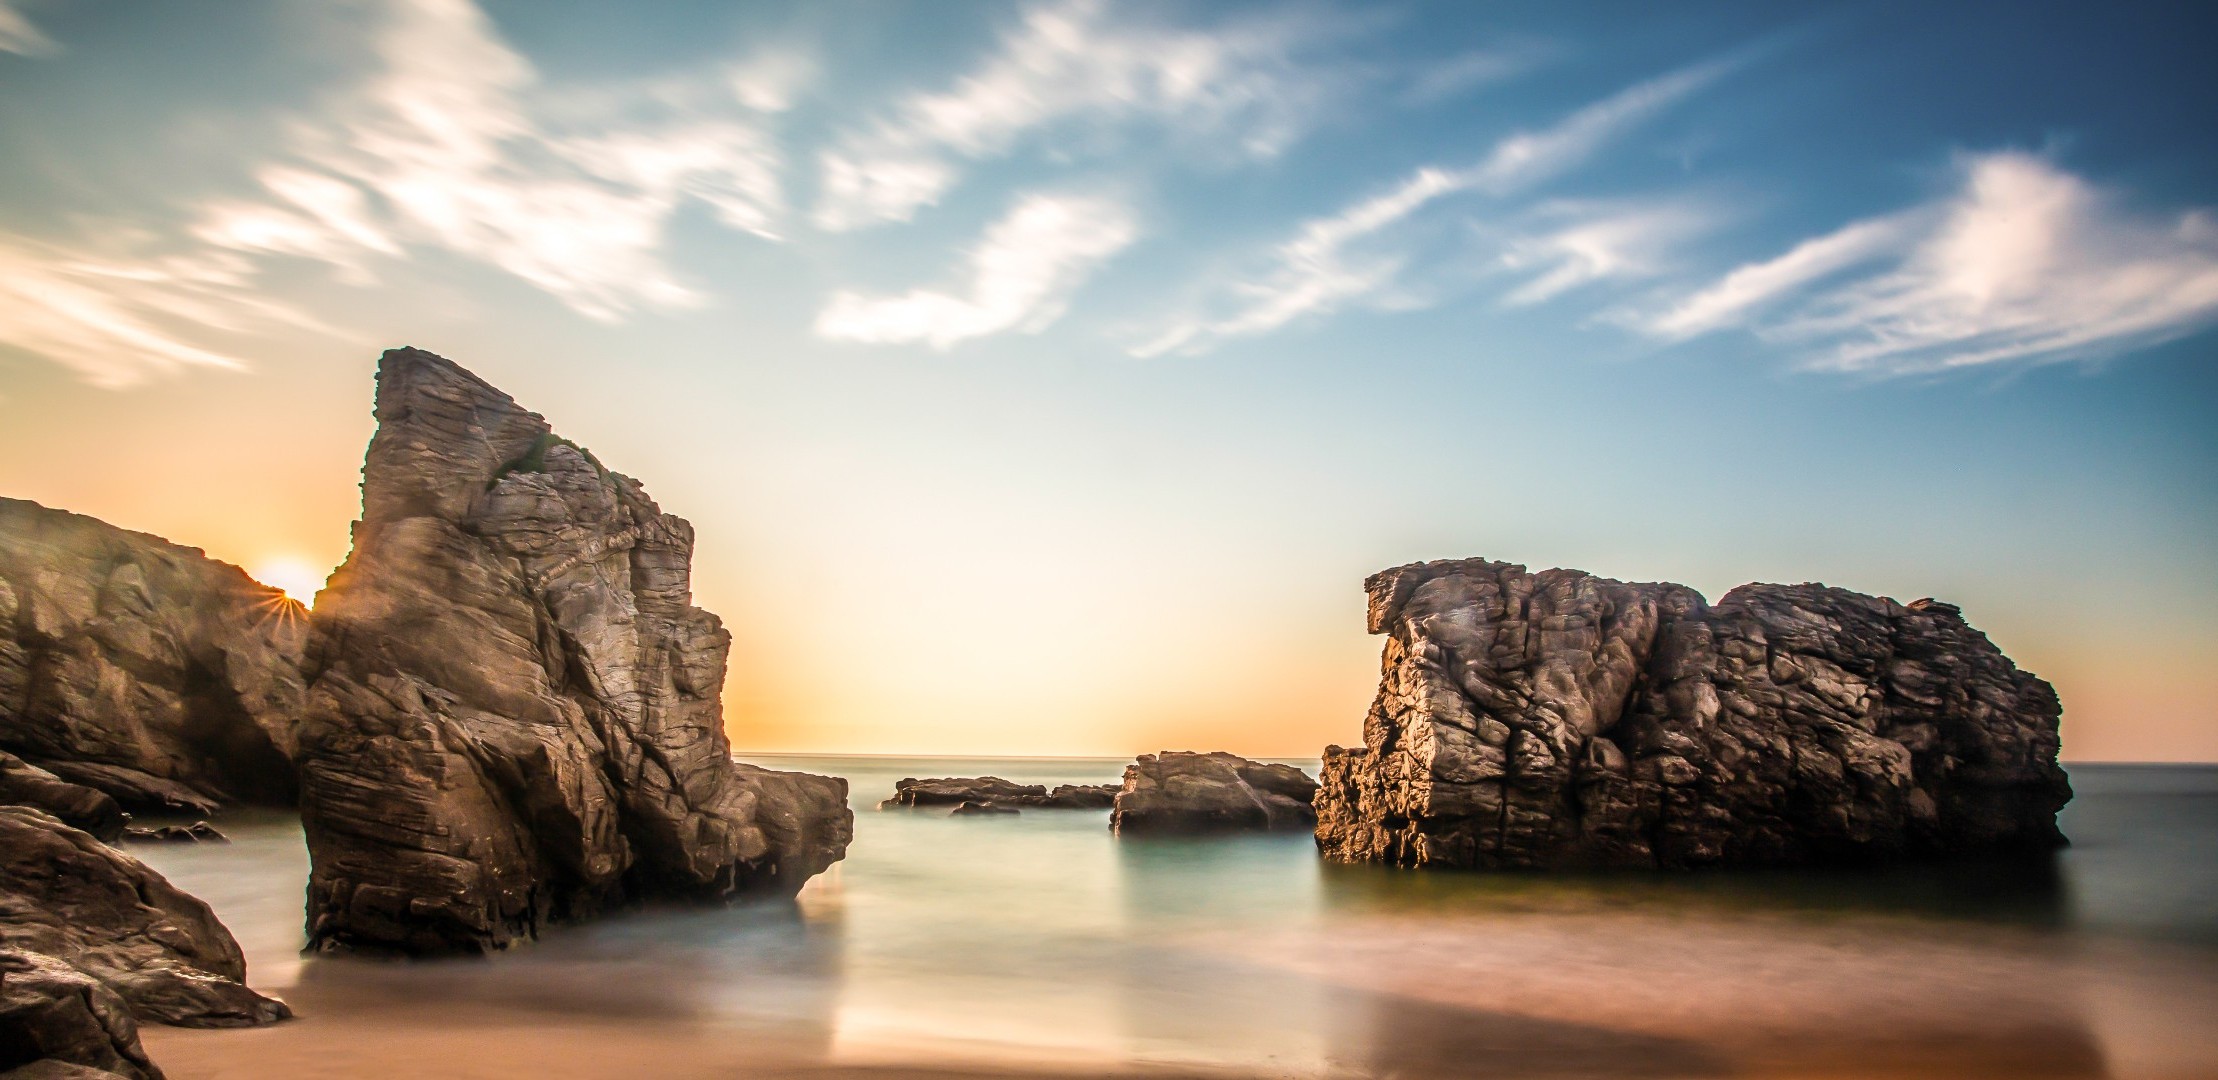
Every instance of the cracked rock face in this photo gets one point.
(145, 670)
(1180, 792)
(70, 897)
(514, 716)
(1558, 718)
(58, 1022)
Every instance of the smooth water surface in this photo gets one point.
(1040, 941)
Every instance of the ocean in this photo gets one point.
(1039, 943)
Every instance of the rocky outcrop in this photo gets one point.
(68, 896)
(146, 670)
(514, 716)
(57, 1022)
(1558, 718)
(80, 807)
(911, 792)
(1179, 792)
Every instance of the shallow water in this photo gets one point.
(1039, 941)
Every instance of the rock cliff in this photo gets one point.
(69, 897)
(1558, 718)
(143, 669)
(1180, 792)
(514, 712)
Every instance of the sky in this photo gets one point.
(1044, 378)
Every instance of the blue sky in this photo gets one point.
(1044, 377)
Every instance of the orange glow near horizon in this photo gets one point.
(294, 575)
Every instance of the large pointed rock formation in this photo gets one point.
(513, 717)
(143, 669)
(1560, 718)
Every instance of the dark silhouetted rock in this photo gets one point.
(145, 670)
(1560, 718)
(982, 809)
(58, 1023)
(514, 716)
(1179, 792)
(911, 792)
(70, 897)
(199, 832)
(24, 784)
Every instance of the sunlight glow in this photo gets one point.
(296, 577)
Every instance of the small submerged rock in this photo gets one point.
(911, 793)
(1181, 792)
(199, 832)
(981, 809)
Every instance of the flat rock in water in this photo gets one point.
(1558, 719)
(515, 718)
(199, 832)
(1179, 792)
(145, 670)
(911, 792)
(982, 809)
(70, 897)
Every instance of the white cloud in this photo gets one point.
(442, 148)
(1021, 277)
(116, 317)
(1600, 242)
(18, 35)
(2024, 263)
(1237, 85)
(1326, 265)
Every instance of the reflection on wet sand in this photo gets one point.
(1039, 945)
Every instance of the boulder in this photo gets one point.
(514, 715)
(1562, 719)
(145, 670)
(74, 899)
(1178, 792)
(24, 784)
(911, 792)
(58, 1023)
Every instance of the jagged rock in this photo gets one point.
(128, 664)
(24, 784)
(79, 901)
(977, 809)
(514, 714)
(1560, 718)
(1179, 792)
(199, 832)
(58, 1023)
(910, 792)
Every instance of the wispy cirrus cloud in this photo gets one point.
(2023, 263)
(1020, 277)
(1242, 84)
(1352, 257)
(19, 35)
(1581, 243)
(448, 147)
(115, 316)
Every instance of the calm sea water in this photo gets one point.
(1041, 940)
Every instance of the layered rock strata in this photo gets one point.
(70, 897)
(514, 712)
(1180, 792)
(143, 669)
(1558, 718)
(80, 807)
(911, 792)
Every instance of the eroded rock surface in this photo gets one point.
(68, 896)
(57, 1022)
(1180, 792)
(143, 669)
(514, 717)
(78, 806)
(1558, 718)
(994, 791)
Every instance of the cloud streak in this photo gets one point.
(19, 35)
(1020, 277)
(1066, 63)
(1332, 261)
(2023, 263)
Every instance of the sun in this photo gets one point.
(298, 580)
